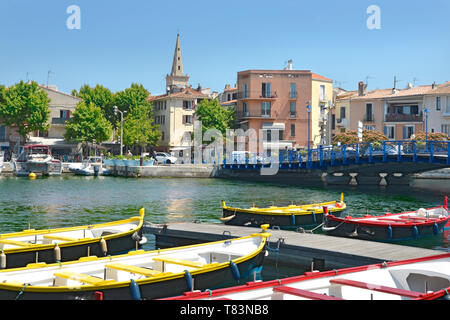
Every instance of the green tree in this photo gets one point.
(214, 116)
(87, 124)
(139, 128)
(132, 97)
(25, 106)
(101, 97)
(351, 136)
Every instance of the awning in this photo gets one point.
(273, 126)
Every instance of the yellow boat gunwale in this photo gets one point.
(267, 211)
(15, 286)
(38, 247)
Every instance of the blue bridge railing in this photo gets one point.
(437, 152)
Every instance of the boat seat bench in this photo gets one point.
(62, 238)
(16, 243)
(376, 287)
(304, 293)
(133, 269)
(84, 278)
(186, 263)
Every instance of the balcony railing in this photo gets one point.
(258, 95)
(253, 114)
(369, 118)
(60, 120)
(293, 94)
(398, 117)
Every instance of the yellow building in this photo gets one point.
(321, 103)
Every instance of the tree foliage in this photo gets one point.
(432, 136)
(101, 97)
(88, 124)
(139, 128)
(351, 136)
(25, 105)
(214, 116)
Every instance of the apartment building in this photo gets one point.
(174, 111)
(437, 101)
(276, 101)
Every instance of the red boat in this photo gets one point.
(390, 227)
(426, 278)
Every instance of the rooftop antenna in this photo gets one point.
(414, 81)
(48, 76)
(367, 80)
(28, 76)
(396, 81)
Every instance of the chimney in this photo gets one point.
(361, 89)
(290, 64)
(433, 86)
(199, 88)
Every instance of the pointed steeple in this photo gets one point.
(177, 65)
(177, 79)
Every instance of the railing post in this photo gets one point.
(357, 154)
(448, 152)
(414, 151)
(370, 152)
(384, 152)
(321, 155)
(431, 151)
(333, 156)
(309, 163)
(344, 154)
(399, 153)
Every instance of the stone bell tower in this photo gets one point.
(177, 80)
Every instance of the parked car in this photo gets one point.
(162, 157)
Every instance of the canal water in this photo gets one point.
(71, 200)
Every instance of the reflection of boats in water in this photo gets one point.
(37, 159)
(2, 157)
(92, 166)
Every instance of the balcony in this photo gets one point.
(323, 98)
(256, 95)
(59, 121)
(293, 95)
(253, 114)
(342, 122)
(398, 117)
(369, 118)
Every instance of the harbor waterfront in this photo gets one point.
(68, 200)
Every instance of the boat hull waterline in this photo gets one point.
(139, 274)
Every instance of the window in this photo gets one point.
(265, 109)
(187, 105)
(293, 93)
(369, 112)
(244, 108)
(447, 108)
(408, 131)
(162, 135)
(187, 119)
(2, 132)
(265, 89)
(292, 130)
(64, 114)
(322, 92)
(293, 109)
(245, 90)
(342, 115)
(369, 127)
(438, 103)
(445, 128)
(389, 131)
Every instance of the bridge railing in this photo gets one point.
(354, 153)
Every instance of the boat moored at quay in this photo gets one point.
(30, 246)
(426, 278)
(37, 159)
(390, 227)
(289, 217)
(139, 274)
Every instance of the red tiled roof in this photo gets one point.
(387, 93)
(444, 88)
(186, 93)
(319, 77)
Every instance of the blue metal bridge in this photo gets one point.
(385, 162)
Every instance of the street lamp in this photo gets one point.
(121, 127)
(308, 108)
(426, 126)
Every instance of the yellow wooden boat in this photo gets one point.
(65, 244)
(292, 216)
(139, 274)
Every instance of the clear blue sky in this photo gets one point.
(121, 42)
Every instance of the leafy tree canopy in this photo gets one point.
(88, 124)
(351, 136)
(25, 105)
(213, 115)
(432, 136)
(101, 97)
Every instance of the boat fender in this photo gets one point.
(235, 271)
(3, 260)
(189, 281)
(389, 231)
(293, 219)
(415, 232)
(104, 246)
(57, 251)
(435, 228)
(134, 290)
